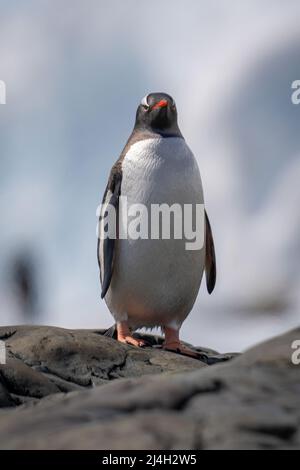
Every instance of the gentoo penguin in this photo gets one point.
(154, 282)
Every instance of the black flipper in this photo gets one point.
(210, 257)
(114, 186)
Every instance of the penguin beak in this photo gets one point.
(160, 104)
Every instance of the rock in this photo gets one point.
(45, 360)
(147, 399)
(5, 398)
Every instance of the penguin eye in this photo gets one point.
(144, 102)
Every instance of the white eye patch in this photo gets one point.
(144, 101)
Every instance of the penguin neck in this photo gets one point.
(173, 131)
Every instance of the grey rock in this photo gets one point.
(150, 399)
(5, 397)
(44, 360)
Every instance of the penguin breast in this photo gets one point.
(156, 281)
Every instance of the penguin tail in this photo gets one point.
(111, 332)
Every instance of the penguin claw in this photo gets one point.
(124, 336)
(180, 348)
(140, 343)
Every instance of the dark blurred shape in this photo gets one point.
(23, 276)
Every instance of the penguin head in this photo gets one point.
(157, 112)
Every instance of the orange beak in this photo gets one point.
(160, 104)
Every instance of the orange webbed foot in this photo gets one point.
(179, 348)
(172, 343)
(124, 336)
(140, 343)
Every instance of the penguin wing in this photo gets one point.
(210, 257)
(106, 246)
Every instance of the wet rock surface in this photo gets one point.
(79, 389)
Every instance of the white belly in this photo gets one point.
(155, 282)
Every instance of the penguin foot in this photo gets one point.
(134, 342)
(172, 343)
(179, 348)
(124, 336)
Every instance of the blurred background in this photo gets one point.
(75, 72)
